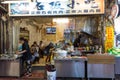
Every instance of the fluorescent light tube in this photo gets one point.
(14, 1)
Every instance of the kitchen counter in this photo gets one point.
(71, 67)
(101, 66)
(106, 66)
(117, 65)
(73, 58)
(11, 66)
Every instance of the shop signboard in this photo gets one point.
(56, 7)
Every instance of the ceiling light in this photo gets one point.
(48, 0)
(61, 20)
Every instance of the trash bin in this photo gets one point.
(51, 72)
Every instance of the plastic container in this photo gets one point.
(51, 72)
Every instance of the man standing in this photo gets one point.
(26, 56)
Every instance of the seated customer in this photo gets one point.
(69, 48)
(35, 55)
(47, 51)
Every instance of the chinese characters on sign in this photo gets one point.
(57, 7)
(109, 38)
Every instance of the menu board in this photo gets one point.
(56, 7)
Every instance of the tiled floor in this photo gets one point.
(36, 75)
(40, 75)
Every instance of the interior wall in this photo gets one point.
(83, 23)
(54, 37)
(37, 27)
(34, 35)
(88, 24)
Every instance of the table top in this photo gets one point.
(81, 58)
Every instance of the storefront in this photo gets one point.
(54, 21)
(66, 19)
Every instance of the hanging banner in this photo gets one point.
(56, 7)
(109, 42)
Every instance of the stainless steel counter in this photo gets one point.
(74, 67)
(98, 66)
(101, 66)
(11, 67)
(117, 65)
